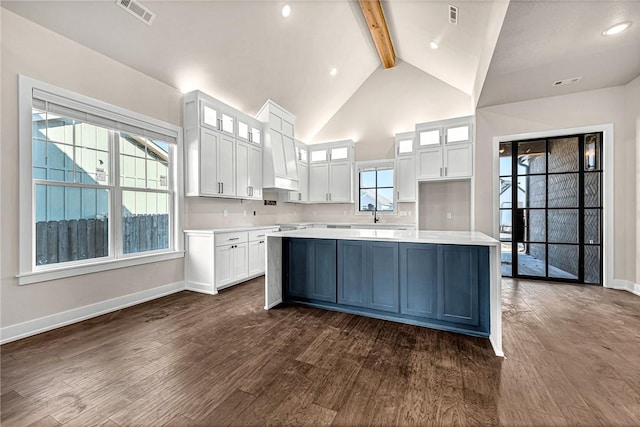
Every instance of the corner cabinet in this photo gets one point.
(302, 195)
(280, 169)
(215, 260)
(223, 150)
(331, 172)
(444, 150)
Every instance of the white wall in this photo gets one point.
(389, 102)
(633, 107)
(561, 112)
(204, 212)
(39, 53)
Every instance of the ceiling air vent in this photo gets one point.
(138, 10)
(567, 81)
(453, 15)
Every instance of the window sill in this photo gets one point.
(94, 267)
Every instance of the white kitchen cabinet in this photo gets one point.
(405, 167)
(331, 172)
(231, 264)
(319, 182)
(280, 169)
(217, 164)
(302, 156)
(217, 259)
(406, 178)
(302, 195)
(330, 182)
(216, 116)
(340, 175)
(451, 161)
(444, 150)
(248, 171)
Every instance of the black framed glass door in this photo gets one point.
(551, 208)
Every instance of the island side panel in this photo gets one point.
(273, 272)
(495, 336)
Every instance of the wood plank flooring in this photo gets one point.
(573, 358)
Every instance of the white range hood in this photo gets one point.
(279, 165)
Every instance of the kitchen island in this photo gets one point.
(437, 279)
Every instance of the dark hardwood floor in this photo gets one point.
(573, 358)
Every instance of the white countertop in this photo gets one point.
(354, 224)
(231, 229)
(409, 236)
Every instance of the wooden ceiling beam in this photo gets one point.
(372, 11)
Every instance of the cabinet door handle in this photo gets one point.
(445, 171)
(234, 238)
(299, 196)
(222, 185)
(261, 241)
(440, 171)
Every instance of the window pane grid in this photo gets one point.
(376, 191)
(74, 193)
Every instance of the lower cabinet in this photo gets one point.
(368, 274)
(310, 269)
(231, 264)
(443, 286)
(418, 279)
(458, 293)
(216, 260)
(440, 282)
(256, 257)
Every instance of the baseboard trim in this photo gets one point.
(54, 321)
(626, 285)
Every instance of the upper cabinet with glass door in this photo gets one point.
(444, 149)
(223, 149)
(217, 117)
(249, 130)
(405, 167)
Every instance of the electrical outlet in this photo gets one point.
(225, 212)
(245, 212)
(449, 215)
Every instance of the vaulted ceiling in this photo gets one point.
(244, 52)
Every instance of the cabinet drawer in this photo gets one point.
(260, 234)
(230, 238)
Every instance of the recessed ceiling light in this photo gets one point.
(286, 10)
(333, 72)
(434, 45)
(616, 29)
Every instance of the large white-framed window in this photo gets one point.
(376, 186)
(100, 186)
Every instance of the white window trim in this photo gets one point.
(369, 164)
(27, 272)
